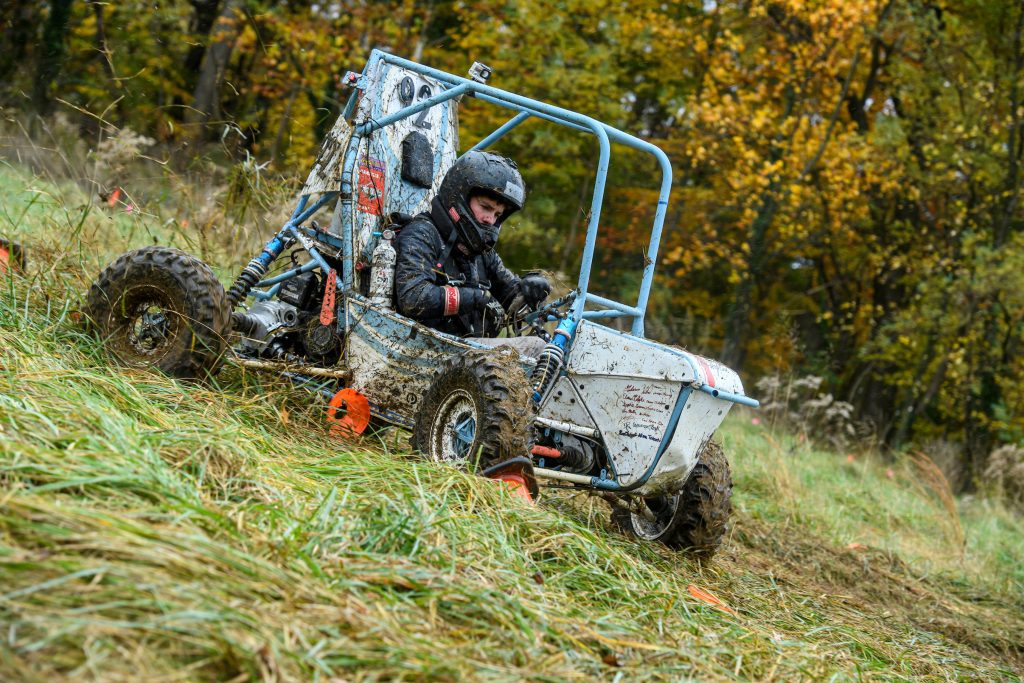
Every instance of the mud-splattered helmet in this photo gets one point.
(484, 173)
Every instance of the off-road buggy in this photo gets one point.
(600, 409)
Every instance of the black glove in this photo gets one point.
(473, 299)
(534, 288)
(492, 314)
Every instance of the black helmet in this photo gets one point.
(484, 173)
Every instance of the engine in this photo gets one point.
(571, 453)
(288, 327)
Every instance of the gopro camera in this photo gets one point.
(480, 73)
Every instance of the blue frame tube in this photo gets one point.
(364, 129)
(603, 132)
(729, 396)
(614, 305)
(350, 106)
(500, 132)
(317, 205)
(598, 315)
(539, 114)
(298, 209)
(310, 249)
(304, 268)
(275, 246)
(345, 207)
(261, 295)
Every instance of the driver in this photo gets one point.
(447, 275)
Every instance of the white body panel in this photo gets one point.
(631, 387)
(565, 404)
(380, 188)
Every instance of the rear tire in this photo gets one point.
(163, 308)
(696, 517)
(478, 402)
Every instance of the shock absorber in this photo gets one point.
(255, 271)
(549, 363)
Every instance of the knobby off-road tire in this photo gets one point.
(477, 403)
(160, 307)
(696, 517)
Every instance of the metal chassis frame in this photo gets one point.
(527, 108)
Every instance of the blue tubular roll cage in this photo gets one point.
(527, 108)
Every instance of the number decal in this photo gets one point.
(421, 120)
(406, 90)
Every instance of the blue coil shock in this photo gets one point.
(549, 363)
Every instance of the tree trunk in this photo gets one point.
(206, 96)
(283, 127)
(1014, 145)
(206, 12)
(100, 42)
(421, 39)
(737, 321)
(19, 20)
(51, 55)
(981, 404)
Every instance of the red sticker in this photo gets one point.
(371, 187)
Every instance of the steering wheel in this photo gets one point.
(515, 317)
(523, 319)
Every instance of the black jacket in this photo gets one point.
(421, 278)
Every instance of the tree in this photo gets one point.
(51, 56)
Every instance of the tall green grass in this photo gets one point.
(157, 530)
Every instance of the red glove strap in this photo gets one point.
(451, 300)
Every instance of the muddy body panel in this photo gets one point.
(393, 358)
(399, 167)
(640, 396)
(325, 175)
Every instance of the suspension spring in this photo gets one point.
(248, 278)
(546, 370)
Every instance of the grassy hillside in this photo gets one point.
(155, 530)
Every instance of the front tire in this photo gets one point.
(696, 517)
(477, 405)
(163, 308)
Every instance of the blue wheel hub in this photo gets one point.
(462, 438)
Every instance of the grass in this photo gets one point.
(156, 530)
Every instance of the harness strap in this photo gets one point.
(448, 246)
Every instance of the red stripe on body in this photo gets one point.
(707, 371)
